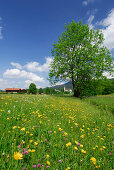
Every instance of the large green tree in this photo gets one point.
(32, 88)
(79, 56)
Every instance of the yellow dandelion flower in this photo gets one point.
(83, 151)
(81, 146)
(75, 148)
(60, 129)
(48, 163)
(29, 150)
(23, 129)
(33, 150)
(18, 156)
(14, 127)
(93, 160)
(68, 144)
(31, 134)
(68, 168)
(47, 156)
(31, 141)
(76, 142)
(35, 143)
(82, 136)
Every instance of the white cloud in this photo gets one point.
(35, 66)
(91, 18)
(7, 84)
(16, 73)
(1, 36)
(107, 74)
(86, 2)
(17, 65)
(28, 82)
(108, 30)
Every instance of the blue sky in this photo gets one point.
(28, 28)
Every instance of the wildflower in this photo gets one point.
(47, 156)
(60, 129)
(82, 136)
(68, 168)
(45, 140)
(83, 151)
(29, 150)
(33, 150)
(68, 144)
(38, 165)
(18, 156)
(23, 129)
(48, 163)
(98, 166)
(24, 168)
(14, 127)
(93, 160)
(76, 142)
(47, 166)
(31, 141)
(59, 161)
(35, 143)
(34, 166)
(65, 134)
(75, 148)
(81, 146)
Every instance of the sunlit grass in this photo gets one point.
(53, 132)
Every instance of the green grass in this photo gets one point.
(56, 124)
(105, 102)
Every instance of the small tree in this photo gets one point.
(80, 57)
(32, 88)
(47, 90)
(52, 91)
(40, 91)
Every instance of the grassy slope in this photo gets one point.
(105, 102)
(60, 120)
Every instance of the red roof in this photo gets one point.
(12, 89)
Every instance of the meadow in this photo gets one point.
(59, 133)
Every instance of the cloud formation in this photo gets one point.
(90, 19)
(108, 30)
(34, 66)
(17, 74)
(86, 2)
(1, 36)
(17, 65)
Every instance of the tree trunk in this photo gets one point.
(76, 92)
(75, 88)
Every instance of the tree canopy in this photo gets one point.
(79, 56)
(32, 88)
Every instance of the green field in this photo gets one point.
(59, 133)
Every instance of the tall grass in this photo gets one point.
(53, 132)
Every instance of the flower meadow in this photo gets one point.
(57, 133)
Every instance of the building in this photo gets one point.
(67, 90)
(15, 90)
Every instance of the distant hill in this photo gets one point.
(67, 85)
